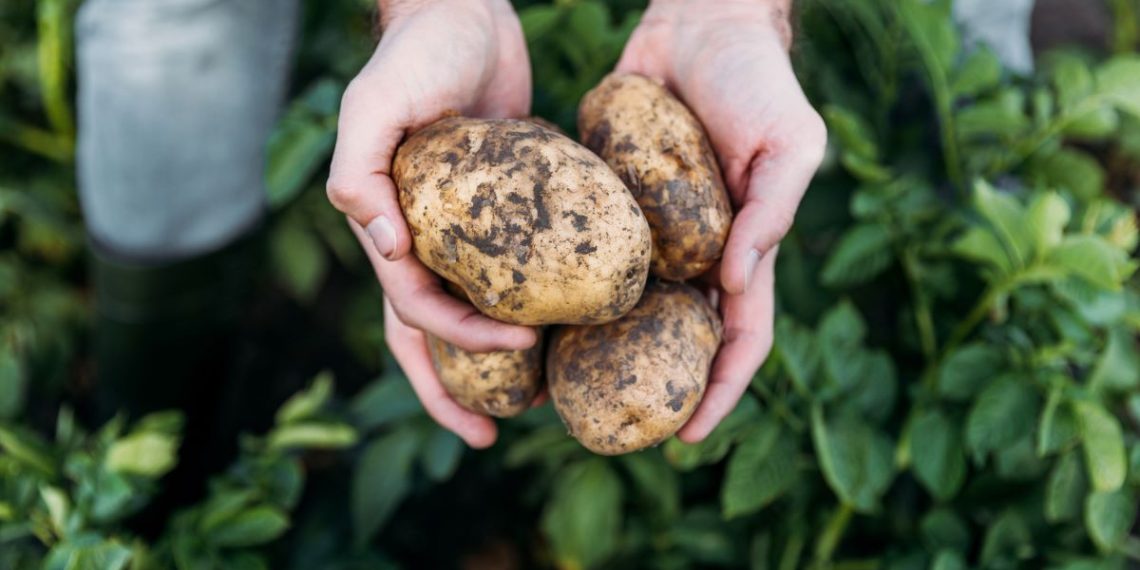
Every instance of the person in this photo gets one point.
(727, 60)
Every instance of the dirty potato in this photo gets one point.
(534, 227)
(650, 139)
(632, 383)
(500, 384)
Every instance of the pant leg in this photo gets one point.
(176, 99)
(1002, 25)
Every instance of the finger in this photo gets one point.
(359, 181)
(424, 304)
(778, 178)
(409, 346)
(748, 321)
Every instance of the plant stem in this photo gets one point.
(832, 534)
(943, 103)
(790, 559)
(973, 318)
(1031, 143)
(923, 318)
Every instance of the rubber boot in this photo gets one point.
(165, 338)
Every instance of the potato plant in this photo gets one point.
(955, 381)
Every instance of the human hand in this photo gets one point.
(728, 61)
(435, 57)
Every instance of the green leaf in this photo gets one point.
(1048, 216)
(1071, 78)
(1007, 540)
(1118, 368)
(12, 382)
(967, 369)
(1071, 169)
(1108, 516)
(1103, 444)
(312, 435)
(864, 169)
(27, 447)
(686, 457)
(983, 245)
(1019, 462)
(1118, 81)
(582, 520)
(852, 132)
(931, 27)
(862, 253)
(1095, 125)
(948, 560)
(875, 394)
(981, 71)
(143, 453)
(381, 480)
(655, 482)
(539, 20)
(441, 454)
(936, 454)
(1008, 219)
(1058, 428)
(307, 403)
(942, 529)
(762, 468)
(299, 260)
(58, 506)
(297, 149)
(1004, 412)
(799, 353)
(1002, 116)
(383, 402)
(841, 333)
(857, 462)
(257, 525)
(1065, 489)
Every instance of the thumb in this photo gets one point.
(360, 184)
(775, 187)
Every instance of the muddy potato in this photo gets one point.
(632, 383)
(534, 227)
(661, 151)
(500, 384)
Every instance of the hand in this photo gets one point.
(435, 57)
(728, 61)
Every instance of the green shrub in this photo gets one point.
(955, 381)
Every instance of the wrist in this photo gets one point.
(773, 14)
(395, 10)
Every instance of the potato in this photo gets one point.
(632, 383)
(661, 151)
(534, 227)
(500, 384)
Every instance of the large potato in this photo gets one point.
(634, 382)
(660, 150)
(534, 227)
(500, 384)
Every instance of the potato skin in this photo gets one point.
(632, 383)
(660, 150)
(500, 384)
(534, 227)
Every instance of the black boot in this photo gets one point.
(165, 338)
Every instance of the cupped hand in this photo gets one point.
(728, 61)
(435, 57)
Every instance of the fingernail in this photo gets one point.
(383, 235)
(750, 266)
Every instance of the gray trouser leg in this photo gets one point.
(176, 101)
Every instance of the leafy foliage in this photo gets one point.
(954, 382)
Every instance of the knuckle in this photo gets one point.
(342, 196)
(813, 142)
